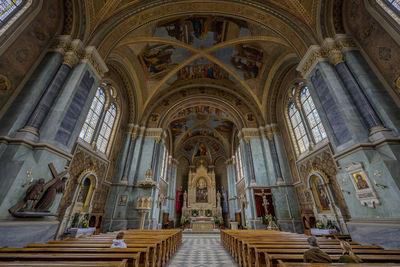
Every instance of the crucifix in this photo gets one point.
(265, 202)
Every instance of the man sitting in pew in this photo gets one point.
(314, 254)
(119, 241)
(348, 254)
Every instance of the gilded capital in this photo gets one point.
(93, 58)
(61, 44)
(311, 58)
(335, 56)
(70, 59)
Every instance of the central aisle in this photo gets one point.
(201, 250)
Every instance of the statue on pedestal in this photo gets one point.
(179, 200)
(218, 199)
(185, 199)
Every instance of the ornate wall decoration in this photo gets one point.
(84, 160)
(5, 83)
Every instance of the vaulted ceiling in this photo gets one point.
(173, 50)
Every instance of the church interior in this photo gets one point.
(234, 128)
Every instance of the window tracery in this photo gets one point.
(100, 121)
(394, 4)
(304, 123)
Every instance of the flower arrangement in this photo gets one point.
(208, 213)
(218, 220)
(84, 223)
(184, 220)
(270, 222)
(195, 213)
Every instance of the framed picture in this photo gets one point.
(364, 190)
(122, 200)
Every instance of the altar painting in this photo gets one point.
(201, 191)
(320, 195)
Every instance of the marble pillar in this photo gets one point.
(361, 129)
(25, 159)
(232, 194)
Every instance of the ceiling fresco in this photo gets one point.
(202, 70)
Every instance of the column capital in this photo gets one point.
(74, 53)
(248, 133)
(313, 55)
(156, 133)
(138, 131)
(93, 58)
(60, 44)
(331, 49)
(270, 130)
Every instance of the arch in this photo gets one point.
(83, 197)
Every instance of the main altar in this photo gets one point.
(202, 203)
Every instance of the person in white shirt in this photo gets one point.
(119, 242)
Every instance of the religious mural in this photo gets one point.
(245, 59)
(360, 180)
(199, 70)
(157, 59)
(202, 31)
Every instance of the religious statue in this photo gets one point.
(201, 191)
(185, 199)
(179, 200)
(40, 196)
(33, 194)
(224, 201)
(218, 199)
(323, 198)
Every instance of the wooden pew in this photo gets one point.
(131, 259)
(122, 263)
(300, 264)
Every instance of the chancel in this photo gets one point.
(228, 128)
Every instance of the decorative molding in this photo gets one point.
(156, 133)
(248, 133)
(313, 55)
(94, 59)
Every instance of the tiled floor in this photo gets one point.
(201, 251)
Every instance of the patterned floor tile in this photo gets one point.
(201, 251)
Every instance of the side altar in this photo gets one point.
(202, 203)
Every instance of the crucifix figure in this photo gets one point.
(265, 202)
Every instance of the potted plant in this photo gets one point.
(218, 221)
(184, 221)
(208, 213)
(195, 213)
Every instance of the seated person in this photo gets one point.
(314, 254)
(348, 255)
(119, 242)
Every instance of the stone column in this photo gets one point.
(172, 188)
(366, 111)
(24, 104)
(71, 58)
(281, 152)
(340, 117)
(344, 98)
(123, 157)
(63, 123)
(232, 195)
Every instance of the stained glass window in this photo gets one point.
(92, 119)
(299, 129)
(106, 128)
(8, 8)
(314, 121)
(395, 4)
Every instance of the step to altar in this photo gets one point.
(212, 232)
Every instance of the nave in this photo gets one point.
(202, 250)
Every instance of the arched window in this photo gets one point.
(394, 4)
(9, 8)
(317, 129)
(106, 128)
(298, 128)
(93, 117)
